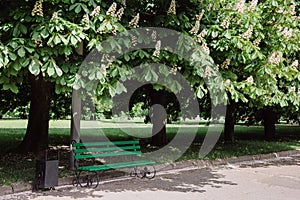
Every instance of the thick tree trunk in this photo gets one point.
(269, 117)
(36, 138)
(229, 123)
(158, 118)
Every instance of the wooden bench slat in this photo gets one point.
(109, 154)
(136, 147)
(115, 165)
(88, 144)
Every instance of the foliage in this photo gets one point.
(255, 45)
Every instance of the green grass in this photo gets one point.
(20, 168)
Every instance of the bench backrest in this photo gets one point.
(86, 150)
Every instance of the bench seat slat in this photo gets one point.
(108, 154)
(115, 165)
(89, 144)
(137, 147)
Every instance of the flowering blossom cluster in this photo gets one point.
(154, 35)
(291, 11)
(86, 19)
(256, 42)
(292, 89)
(240, 6)
(96, 11)
(207, 73)
(205, 48)
(173, 70)
(226, 63)
(133, 40)
(248, 33)
(195, 29)
(54, 15)
(120, 13)
(112, 9)
(275, 57)
(286, 32)
(253, 5)
(172, 8)
(225, 24)
(201, 35)
(250, 79)
(134, 22)
(157, 49)
(295, 64)
(38, 9)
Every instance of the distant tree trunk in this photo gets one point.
(229, 122)
(36, 138)
(269, 117)
(158, 118)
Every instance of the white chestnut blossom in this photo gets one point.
(38, 9)
(226, 63)
(134, 22)
(256, 42)
(275, 57)
(295, 64)
(225, 24)
(96, 11)
(112, 9)
(172, 8)
(120, 13)
(156, 53)
(248, 33)
(253, 5)
(240, 6)
(195, 29)
(205, 48)
(250, 79)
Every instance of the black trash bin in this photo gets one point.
(46, 174)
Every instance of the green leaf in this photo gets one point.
(127, 57)
(59, 72)
(78, 8)
(34, 68)
(56, 39)
(73, 40)
(200, 93)
(12, 56)
(11, 86)
(23, 29)
(16, 31)
(50, 70)
(214, 34)
(44, 33)
(21, 52)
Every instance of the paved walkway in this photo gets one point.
(268, 179)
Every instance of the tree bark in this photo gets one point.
(36, 137)
(158, 118)
(229, 123)
(269, 117)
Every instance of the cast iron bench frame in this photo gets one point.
(92, 150)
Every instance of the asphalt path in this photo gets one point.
(267, 179)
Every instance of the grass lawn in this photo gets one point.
(249, 141)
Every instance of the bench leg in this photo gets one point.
(147, 172)
(93, 180)
(150, 172)
(76, 180)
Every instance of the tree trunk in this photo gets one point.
(158, 118)
(36, 138)
(229, 123)
(269, 117)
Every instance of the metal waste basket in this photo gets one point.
(46, 174)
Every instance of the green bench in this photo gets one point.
(91, 157)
